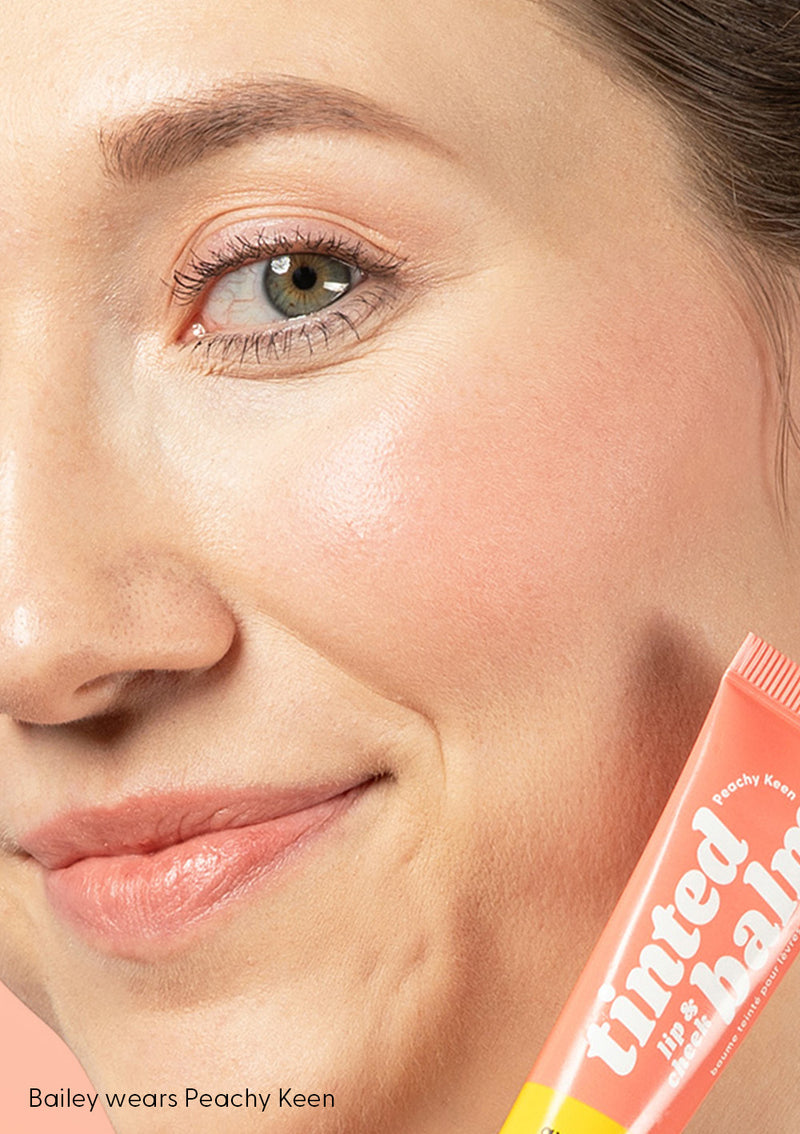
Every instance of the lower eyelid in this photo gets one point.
(296, 345)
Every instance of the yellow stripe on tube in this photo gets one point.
(538, 1110)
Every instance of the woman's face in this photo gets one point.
(473, 536)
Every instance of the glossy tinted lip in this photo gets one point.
(133, 876)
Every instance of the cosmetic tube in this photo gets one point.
(703, 933)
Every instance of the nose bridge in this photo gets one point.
(53, 316)
(49, 454)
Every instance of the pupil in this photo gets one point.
(304, 278)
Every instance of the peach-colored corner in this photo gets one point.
(31, 1055)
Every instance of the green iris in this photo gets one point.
(305, 282)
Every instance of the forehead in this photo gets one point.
(485, 79)
(126, 49)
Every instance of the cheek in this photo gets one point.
(433, 542)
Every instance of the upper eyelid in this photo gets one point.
(189, 281)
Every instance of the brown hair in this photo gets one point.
(728, 74)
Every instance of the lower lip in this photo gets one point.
(131, 903)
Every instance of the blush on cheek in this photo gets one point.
(441, 535)
(438, 539)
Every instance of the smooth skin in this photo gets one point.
(498, 549)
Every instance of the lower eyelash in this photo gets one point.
(221, 349)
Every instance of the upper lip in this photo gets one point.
(142, 824)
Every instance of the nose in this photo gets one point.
(96, 585)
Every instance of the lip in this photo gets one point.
(140, 874)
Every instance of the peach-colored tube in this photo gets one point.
(702, 935)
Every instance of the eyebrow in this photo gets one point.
(178, 132)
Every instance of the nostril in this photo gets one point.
(100, 695)
(56, 701)
(105, 683)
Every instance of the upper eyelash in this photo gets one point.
(189, 282)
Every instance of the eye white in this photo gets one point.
(239, 299)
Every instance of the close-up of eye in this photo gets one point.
(258, 297)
